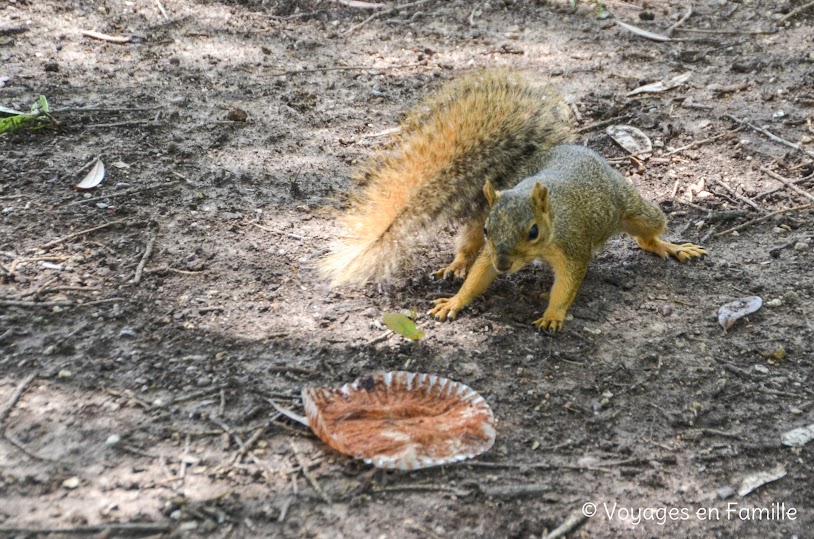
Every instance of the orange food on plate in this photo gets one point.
(402, 420)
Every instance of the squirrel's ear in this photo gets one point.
(539, 195)
(489, 191)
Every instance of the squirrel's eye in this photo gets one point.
(534, 232)
(485, 232)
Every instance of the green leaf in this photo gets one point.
(38, 109)
(402, 325)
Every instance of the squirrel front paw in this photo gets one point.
(551, 322)
(446, 308)
(458, 269)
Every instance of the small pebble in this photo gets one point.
(725, 492)
(204, 381)
(762, 369)
(64, 373)
(113, 439)
(71, 483)
(776, 302)
(791, 297)
(801, 247)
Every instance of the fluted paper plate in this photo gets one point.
(402, 420)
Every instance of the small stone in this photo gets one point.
(470, 370)
(775, 302)
(666, 310)
(64, 373)
(779, 230)
(175, 515)
(791, 297)
(127, 332)
(801, 247)
(725, 492)
(762, 369)
(71, 483)
(113, 439)
(237, 115)
(51, 67)
(204, 381)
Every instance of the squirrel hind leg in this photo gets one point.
(647, 228)
(468, 245)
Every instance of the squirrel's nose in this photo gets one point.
(503, 263)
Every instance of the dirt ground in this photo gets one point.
(135, 391)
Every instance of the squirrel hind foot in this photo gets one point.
(681, 252)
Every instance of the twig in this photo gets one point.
(728, 32)
(770, 135)
(394, 9)
(571, 523)
(77, 234)
(340, 68)
(302, 420)
(124, 192)
(776, 189)
(130, 528)
(472, 15)
(163, 269)
(123, 124)
(739, 197)
(15, 396)
(794, 12)
(308, 475)
(105, 37)
(143, 262)
(161, 9)
(248, 445)
(603, 123)
(761, 219)
(379, 339)
(16, 303)
(787, 183)
(360, 5)
(680, 21)
(700, 142)
(426, 488)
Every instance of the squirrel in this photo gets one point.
(492, 152)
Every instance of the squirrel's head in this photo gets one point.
(518, 226)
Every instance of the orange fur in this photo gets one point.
(470, 131)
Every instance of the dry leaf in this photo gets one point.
(93, 178)
(662, 86)
(798, 437)
(735, 310)
(401, 420)
(644, 33)
(755, 481)
(633, 140)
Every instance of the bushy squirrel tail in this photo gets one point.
(491, 125)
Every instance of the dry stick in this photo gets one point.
(240, 453)
(143, 262)
(787, 183)
(123, 124)
(105, 37)
(761, 219)
(15, 303)
(394, 9)
(161, 9)
(772, 136)
(340, 68)
(132, 528)
(742, 198)
(794, 12)
(681, 21)
(728, 32)
(603, 123)
(308, 475)
(571, 523)
(12, 402)
(125, 192)
(700, 142)
(77, 234)
(776, 189)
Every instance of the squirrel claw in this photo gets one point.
(444, 308)
(455, 269)
(552, 325)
